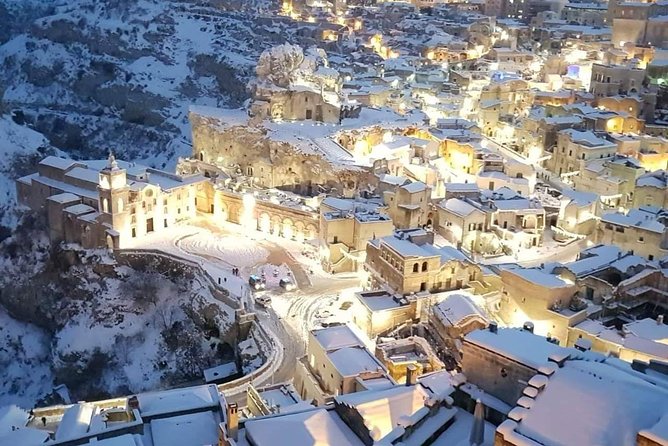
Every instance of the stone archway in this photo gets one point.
(223, 212)
(288, 228)
(311, 232)
(299, 234)
(276, 225)
(264, 223)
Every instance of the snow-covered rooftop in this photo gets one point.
(649, 329)
(381, 411)
(407, 248)
(310, 428)
(643, 218)
(175, 400)
(458, 206)
(352, 361)
(335, 337)
(519, 345)
(587, 139)
(456, 307)
(380, 300)
(196, 429)
(75, 421)
(592, 403)
(540, 277)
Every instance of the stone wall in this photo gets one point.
(497, 375)
(274, 164)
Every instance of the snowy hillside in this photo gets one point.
(101, 328)
(20, 148)
(120, 75)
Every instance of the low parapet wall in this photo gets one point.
(247, 323)
(171, 262)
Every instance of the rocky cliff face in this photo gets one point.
(119, 75)
(276, 163)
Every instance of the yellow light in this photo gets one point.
(247, 216)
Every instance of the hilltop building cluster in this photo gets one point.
(494, 172)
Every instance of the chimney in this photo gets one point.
(659, 319)
(411, 375)
(232, 420)
(493, 327)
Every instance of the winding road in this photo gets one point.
(291, 315)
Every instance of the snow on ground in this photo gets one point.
(250, 354)
(550, 251)
(228, 249)
(273, 274)
(24, 353)
(216, 260)
(119, 331)
(15, 141)
(90, 62)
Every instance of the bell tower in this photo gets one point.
(113, 191)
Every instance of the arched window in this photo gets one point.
(415, 267)
(120, 204)
(424, 266)
(105, 205)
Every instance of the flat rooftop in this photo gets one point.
(380, 300)
(516, 344)
(175, 400)
(336, 337)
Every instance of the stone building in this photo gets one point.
(590, 14)
(270, 211)
(613, 80)
(500, 361)
(418, 413)
(632, 105)
(456, 315)
(578, 212)
(378, 312)
(108, 203)
(575, 147)
(462, 221)
(540, 417)
(461, 157)
(642, 230)
(613, 179)
(300, 104)
(638, 22)
(492, 222)
(226, 139)
(541, 297)
(409, 205)
(652, 190)
(542, 130)
(653, 153)
(502, 101)
(407, 262)
(337, 363)
(399, 355)
(345, 228)
(637, 341)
